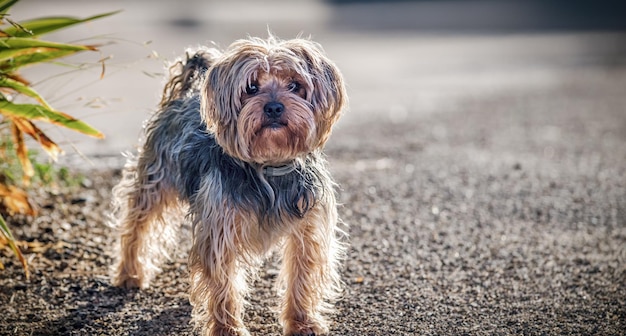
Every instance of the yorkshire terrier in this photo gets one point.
(236, 145)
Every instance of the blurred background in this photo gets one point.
(401, 59)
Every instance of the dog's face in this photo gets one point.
(270, 101)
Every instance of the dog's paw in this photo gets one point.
(127, 282)
(306, 329)
(228, 331)
(308, 332)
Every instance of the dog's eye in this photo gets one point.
(294, 86)
(252, 89)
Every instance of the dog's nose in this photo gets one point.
(273, 109)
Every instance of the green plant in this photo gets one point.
(6, 233)
(21, 46)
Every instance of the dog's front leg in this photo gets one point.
(218, 280)
(309, 274)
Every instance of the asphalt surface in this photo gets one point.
(503, 216)
(483, 186)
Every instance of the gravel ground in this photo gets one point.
(503, 214)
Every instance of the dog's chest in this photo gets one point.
(218, 181)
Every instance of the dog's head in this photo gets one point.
(270, 101)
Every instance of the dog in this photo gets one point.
(236, 149)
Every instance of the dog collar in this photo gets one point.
(283, 170)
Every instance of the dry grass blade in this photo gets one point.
(102, 61)
(15, 200)
(22, 154)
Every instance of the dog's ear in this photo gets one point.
(220, 96)
(328, 94)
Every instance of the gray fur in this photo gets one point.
(190, 153)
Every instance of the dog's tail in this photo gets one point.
(187, 74)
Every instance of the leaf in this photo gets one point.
(37, 112)
(24, 42)
(22, 154)
(23, 89)
(4, 228)
(16, 77)
(46, 25)
(5, 5)
(16, 52)
(13, 23)
(11, 60)
(27, 127)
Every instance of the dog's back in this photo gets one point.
(187, 75)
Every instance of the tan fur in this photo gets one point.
(258, 59)
(145, 209)
(233, 233)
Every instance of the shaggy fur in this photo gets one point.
(237, 145)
